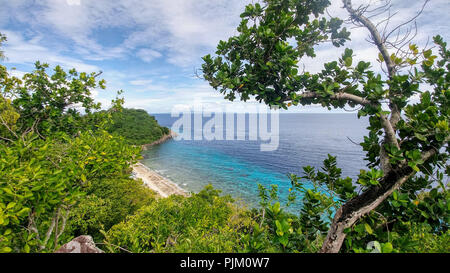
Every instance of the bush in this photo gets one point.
(204, 222)
(109, 201)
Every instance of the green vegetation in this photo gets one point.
(203, 222)
(207, 222)
(136, 126)
(108, 202)
(407, 142)
(62, 174)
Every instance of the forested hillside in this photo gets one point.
(136, 126)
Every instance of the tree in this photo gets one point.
(406, 140)
(58, 102)
(52, 148)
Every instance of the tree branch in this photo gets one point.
(63, 227)
(375, 35)
(49, 232)
(389, 125)
(6, 139)
(339, 96)
(32, 226)
(4, 123)
(369, 200)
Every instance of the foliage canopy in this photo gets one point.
(407, 139)
(136, 126)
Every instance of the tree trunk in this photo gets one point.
(361, 205)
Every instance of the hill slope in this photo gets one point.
(137, 126)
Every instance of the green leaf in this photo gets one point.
(420, 137)
(283, 240)
(279, 228)
(5, 250)
(23, 212)
(348, 61)
(386, 248)
(368, 228)
(10, 205)
(428, 63)
(395, 195)
(276, 208)
(424, 214)
(26, 249)
(427, 54)
(7, 190)
(36, 188)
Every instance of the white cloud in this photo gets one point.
(27, 51)
(73, 2)
(141, 82)
(17, 73)
(148, 55)
(183, 28)
(173, 32)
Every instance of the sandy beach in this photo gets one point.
(163, 186)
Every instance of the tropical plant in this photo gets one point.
(407, 139)
(203, 222)
(51, 154)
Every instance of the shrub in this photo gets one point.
(204, 222)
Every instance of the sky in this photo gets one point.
(152, 49)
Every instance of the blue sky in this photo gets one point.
(151, 49)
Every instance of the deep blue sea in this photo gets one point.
(237, 167)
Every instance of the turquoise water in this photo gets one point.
(193, 167)
(237, 167)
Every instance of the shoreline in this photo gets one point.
(153, 180)
(163, 139)
(161, 185)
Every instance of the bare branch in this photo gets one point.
(359, 19)
(384, 7)
(407, 22)
(63, 226)
(353, 141)
(58, 215)
(32, 226)
(49, 232)
(4, 123)
(6, 139)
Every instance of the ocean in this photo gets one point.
(237, 167)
